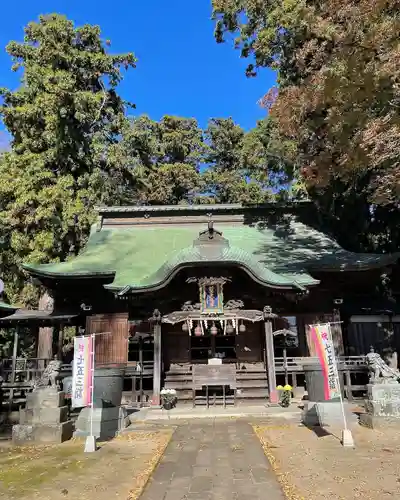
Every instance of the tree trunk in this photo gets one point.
(45, 338)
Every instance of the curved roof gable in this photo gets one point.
(144, 255)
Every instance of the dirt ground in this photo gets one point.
(312, 464)
(119, 469)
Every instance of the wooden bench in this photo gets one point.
(205, 376)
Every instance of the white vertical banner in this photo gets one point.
(82, 372)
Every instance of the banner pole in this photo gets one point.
(347, 437)
(90, 445)
(92, 388)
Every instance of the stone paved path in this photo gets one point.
(213, 460)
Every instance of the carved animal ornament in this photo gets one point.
(379, 371)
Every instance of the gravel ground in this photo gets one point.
(311, 464)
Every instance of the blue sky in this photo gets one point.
(181, 69)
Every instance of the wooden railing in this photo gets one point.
(353, 369)
(28, 369)
(18, 377)
(297, 363)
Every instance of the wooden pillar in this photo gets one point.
(45, 339)
(13, 366)
(269, 348)
(141, 371)
(60, 342)
(156, 320)
(336, 331)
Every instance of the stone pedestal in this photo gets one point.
(44, 420)
(108, 420)
(327, 413)
(382, 406)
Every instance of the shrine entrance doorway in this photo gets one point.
(221, 346)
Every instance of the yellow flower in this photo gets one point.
(287, 387)
(279, 388)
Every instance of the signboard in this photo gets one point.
(209, 375)
(82, 371)
(322, 339)
(211, 295)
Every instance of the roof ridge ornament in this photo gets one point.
(211, 236)
(210, 231)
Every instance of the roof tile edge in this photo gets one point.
(197, 208)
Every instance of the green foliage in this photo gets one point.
(62, 119)
(265, 31)
(73, 148)
(231, 176)
(165, 154)
(183, 164)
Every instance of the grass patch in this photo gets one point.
(23, 470)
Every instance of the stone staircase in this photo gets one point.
(252, 383)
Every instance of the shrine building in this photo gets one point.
(173, 287)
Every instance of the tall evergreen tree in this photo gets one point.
(62, 119)
(242, 167)
(168, 154)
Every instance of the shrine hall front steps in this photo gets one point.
(251, 379)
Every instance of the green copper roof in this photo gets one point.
(143, 257)
(7, 307)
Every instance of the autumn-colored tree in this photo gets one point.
(337, 101)
(344, 113)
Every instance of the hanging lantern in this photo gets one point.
(229, 328)
(213, 329)
(197, 331)
(185, 327)
(242, 327)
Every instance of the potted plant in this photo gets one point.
(168, 398)
(285, 395)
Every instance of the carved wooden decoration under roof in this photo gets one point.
(211, 305)
(193, 315)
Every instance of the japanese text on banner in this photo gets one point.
(322, 337)
(82, 377)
